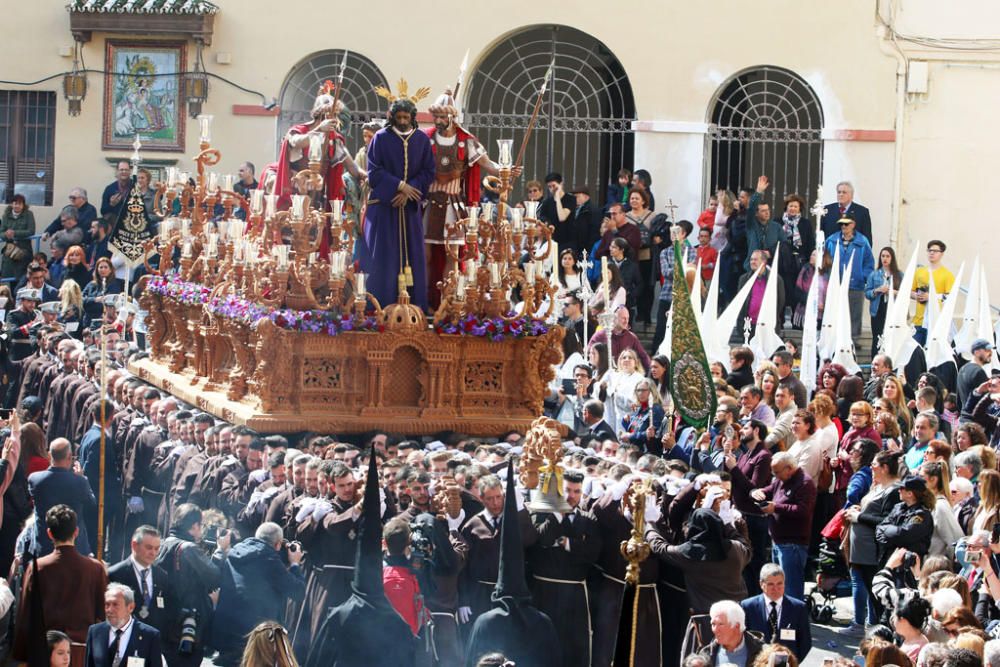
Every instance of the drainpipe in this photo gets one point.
(887, 44)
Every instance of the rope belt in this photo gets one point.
(560, 581)
(335, 567)
(150, 491)
(586, 597)
(486, 583)
(624, 583)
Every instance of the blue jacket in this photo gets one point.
(144, 643)
(859, 247)
(255, 587)
(875, 280)
(858, 486)
(90, 461)
(60, 486)
(761, 237)
(793, 623)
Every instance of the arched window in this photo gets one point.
(767, 120)
(584, 129)
(360, 79)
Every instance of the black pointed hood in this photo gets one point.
(511, 582)
(367, 582)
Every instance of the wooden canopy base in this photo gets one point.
(414, 381)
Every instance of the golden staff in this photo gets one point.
(534, 114)
(102, 406)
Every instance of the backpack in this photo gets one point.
(594, 272)
(403, 592)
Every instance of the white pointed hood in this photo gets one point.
(710, 313)
(897, 338)
(810, 363)
(765, 340)
(969, 329)
(668, 336)
(827, 335)
(938, 344)
(726, 322)
(695, 295)
(843, 342)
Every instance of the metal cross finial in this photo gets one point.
(136, 145)
(818, 210)
(671, 207)
(746, 330)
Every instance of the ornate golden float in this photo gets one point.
(255, 325)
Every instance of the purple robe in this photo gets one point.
(382, 228)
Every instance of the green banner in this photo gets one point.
(690, 379)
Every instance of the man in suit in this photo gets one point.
(732, 644)
(779, 618)
(593, 417)
(148, 580)
(60, 486)
(67, 586)
(121, 639)
(845, 206)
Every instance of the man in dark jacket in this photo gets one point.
(255, 587)
(139, 573)
(59, 486)
(586, 225)
(192, 579)
(732, 642)
(846, 206)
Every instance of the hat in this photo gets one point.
(981, 344)
(31, 404)
(580, 189)
(29, 293)
(51, 307)
(845, 220)
(445, 104)
(913, 483)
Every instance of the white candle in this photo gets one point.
(185, 228)
(298, 207)
(270, 205)
(281, 254)
(213, 245)
(315, 147)
(337, 206)
(165, 227)
(186, 249)
(227, 182)
(494, 274)
(213, 182)
(257, 202)
(249, 251)
(460, 292)
(238, 252)
(360, 282)
(531, 210)
(517, 219)
(539, 267)
(470, 271)
(473, 217)
(529, 272)
(171, 176)
(488, 210)
(236, 229)
(553, 254)
(313, 258)
(205, 128)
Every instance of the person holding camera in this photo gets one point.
(193, 586)
(256, 584)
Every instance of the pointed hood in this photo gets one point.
(367, 582)
(810, 362)
(827, 341)
(696, 293)
(726, 322)
(897, 338)
(969, 330)
(939, 350)
(765, 339)
(843, 342)
(668, 336)
(511, 582)
(932, 309)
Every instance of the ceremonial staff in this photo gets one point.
(534, 114)
(461, 76)
(340, 82)
(102, 406)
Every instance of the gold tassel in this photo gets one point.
(401, 282)
(409, 276)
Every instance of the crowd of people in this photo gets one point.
(223, 543)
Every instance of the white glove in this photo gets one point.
(619, 488)
(135, 505)
(305, 509)
(259, 475)
(652, 513)
(321, 509)
(456, 523)
(464, 614)
(596, 489)
(381, 502)
(726, 513)
(713, 494)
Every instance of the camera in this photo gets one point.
(189, 631)
(421, 543)
(909, 560)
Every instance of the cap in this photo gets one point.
(981, 344)
(845, 221)
(29, 293)
(913, 483)
(51, 307)
(580, 189)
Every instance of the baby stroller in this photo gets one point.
(831, 570)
